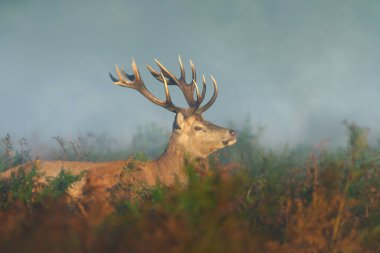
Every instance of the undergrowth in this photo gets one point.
(27, 190)
(295, 200)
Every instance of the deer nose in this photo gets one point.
(233, 133)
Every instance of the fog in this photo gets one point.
(299, 68)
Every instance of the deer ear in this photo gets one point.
(179, 121)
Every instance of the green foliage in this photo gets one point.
(25, 187)
(141, 156)
(22, 185)
(357, 140)
(58, 186)
(9, 156)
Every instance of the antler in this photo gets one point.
(135, 82)
(167, 78)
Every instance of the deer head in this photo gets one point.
(191, 134)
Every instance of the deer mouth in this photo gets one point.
(229, 142)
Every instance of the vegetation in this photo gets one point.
(9, 158)
(149, 142)
(25, 188)
(251, 200)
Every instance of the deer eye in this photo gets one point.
(197, 128)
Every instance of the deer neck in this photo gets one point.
(170, 167)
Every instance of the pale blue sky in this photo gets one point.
(297, 67)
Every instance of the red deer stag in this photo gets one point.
(192, 139)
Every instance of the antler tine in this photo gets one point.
(130, 77)
(167, 93)
(187, 89)
(198, 95)
(183, 75)
(212, 100)
(193, 72)
(157, 75)
(135, 82)
(201, 97)
(166, 73)
(121, 81)
(114, 80)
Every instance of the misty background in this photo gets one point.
(299, 68)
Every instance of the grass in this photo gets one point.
(294, 200)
